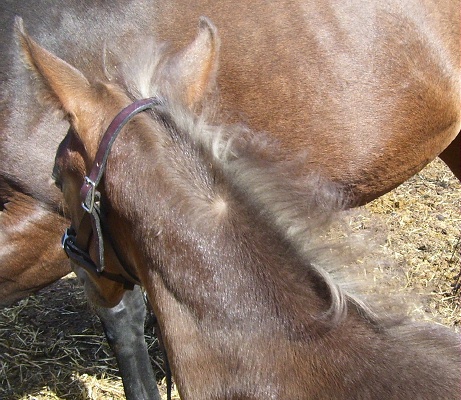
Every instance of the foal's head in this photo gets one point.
(90, 107)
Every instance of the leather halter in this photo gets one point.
(76, 243)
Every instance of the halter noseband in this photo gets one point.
(76, 243)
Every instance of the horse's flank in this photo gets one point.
(344, 74)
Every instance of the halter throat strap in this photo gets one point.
(76, 243)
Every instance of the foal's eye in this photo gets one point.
(55, 177)
(57, 183)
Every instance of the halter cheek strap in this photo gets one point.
(88, 191)
(76, 243)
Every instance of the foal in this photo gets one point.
(224, 236)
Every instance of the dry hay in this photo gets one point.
(422, 221)
(52, 347)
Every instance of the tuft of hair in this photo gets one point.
(135, 64)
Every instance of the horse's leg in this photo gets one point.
(452, 156)
(31, 256)
(124, 328)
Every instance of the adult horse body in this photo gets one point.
(376, 85)
(221, 230)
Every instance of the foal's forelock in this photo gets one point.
(139, 69)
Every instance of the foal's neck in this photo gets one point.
(226, 286)
(197, 228)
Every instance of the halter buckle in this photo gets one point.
(69, 234)
(90, 195)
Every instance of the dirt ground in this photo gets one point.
(52, 347)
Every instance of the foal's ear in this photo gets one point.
(63, 85)
(193, 71)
